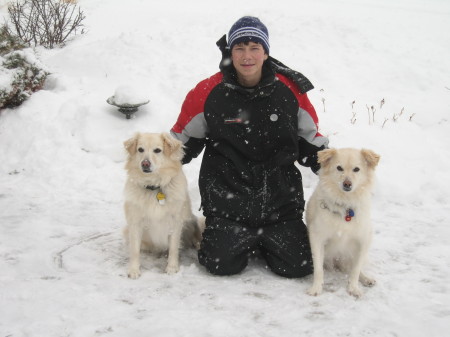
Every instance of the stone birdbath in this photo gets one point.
(128, 99)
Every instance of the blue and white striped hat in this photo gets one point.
(249, 28)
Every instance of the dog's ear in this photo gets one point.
(131, 144)
(371, 157)
(172, 147)
(324, 156)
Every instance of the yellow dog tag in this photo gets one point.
(161, 198)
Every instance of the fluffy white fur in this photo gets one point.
(345, 183)
(153, 166)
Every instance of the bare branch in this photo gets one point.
(49, 23)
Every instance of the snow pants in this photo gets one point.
(227, 245)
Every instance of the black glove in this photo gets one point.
(311, 162)
(310, 159)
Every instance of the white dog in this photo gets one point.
(338, 215)
(157, 204)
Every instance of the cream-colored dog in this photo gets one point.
(157, 204)
(338, 215)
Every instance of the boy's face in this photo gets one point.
(248, 59)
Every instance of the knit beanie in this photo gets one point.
(249, 28)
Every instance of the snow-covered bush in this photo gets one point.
(20, 71)
(48, 23)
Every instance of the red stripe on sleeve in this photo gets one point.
(303, 100)
(194, 102)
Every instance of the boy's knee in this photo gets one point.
(297, 271)
(220, 266)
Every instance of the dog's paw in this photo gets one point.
(315, 290)
(367, 281)
(134, 273)
(172, 269)
(354, 291)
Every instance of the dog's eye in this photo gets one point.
(157, 150)
(339, 168)
(356, 169)
(141, 149)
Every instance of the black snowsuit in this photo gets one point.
(251, 190)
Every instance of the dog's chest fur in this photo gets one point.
(330, 215)
(157, 220)
(147, 201)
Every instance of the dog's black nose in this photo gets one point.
(347, 185)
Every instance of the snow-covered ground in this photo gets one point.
(62, 259)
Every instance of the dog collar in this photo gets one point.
(160, 196)
(349, 214)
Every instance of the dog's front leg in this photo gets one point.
(174, 250)
(355, 272)
(134, 240)
(318, 252)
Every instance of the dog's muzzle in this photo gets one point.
(347, 185)
(146, 166)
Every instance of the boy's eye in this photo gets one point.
(339, 168)
(157, 150)
(141, 149)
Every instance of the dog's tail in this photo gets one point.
(192, 232)
(201, 223)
